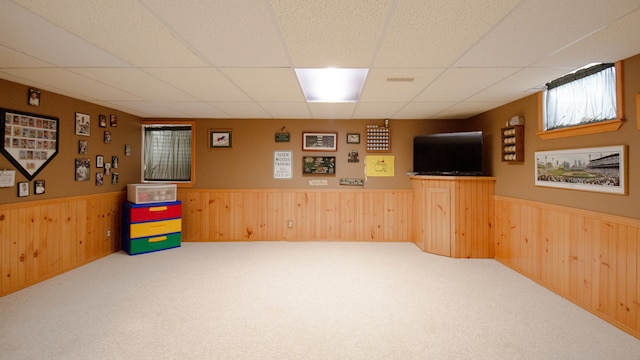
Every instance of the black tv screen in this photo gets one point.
(457, 153)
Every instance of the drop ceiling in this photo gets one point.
(427, 59)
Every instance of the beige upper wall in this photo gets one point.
(248, 164)
(59, 174)
(517, 179)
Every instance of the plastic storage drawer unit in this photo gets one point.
(151, 193)
(151, 227)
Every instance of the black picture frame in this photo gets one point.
(39, 187)
(30, 140)
(34, 97)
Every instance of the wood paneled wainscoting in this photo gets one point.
(325, 215)
(592, 259)
(41, 239)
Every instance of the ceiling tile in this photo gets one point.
(241, 35)
(448, 86)
(70, 82)
(609, 44)
(379, 110)
(13, 59)
(332, 111)
(47, 42)
(136, 82)
(518, 85)
(196, 109)
(378, 88)
(266, 84)
(150, 109)
(206, 84)
(124, 28)
(242, 110)
(422, 110)
(466, 109)
(551, 21)
(287, 110)
(331, 33)
(435, 33)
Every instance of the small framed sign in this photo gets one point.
(283, 164)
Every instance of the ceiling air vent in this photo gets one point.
(400, 79)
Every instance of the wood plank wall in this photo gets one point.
(324, 215)
(41, 239)
(592, 259)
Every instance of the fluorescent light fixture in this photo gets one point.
(331, 84)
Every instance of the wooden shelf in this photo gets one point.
(512, 143)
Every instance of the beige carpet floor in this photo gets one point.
(299, 300)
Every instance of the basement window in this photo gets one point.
(586, 101)
(168, 152)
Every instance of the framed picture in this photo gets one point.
(102, 121)
(107, 137)
(220, 139)
(34, 97)
(30, 140)
(38, 187)
(99, 161)
(99, 179)
(83, 124)
(127, 149)
(283, 164)
(114, 178)
(107, 168)
(83, 147)
(114, 162)
(353, 157)
(83, 169)
(319, 141)
(323, 165)
(599, 169)
(23, 189)
(113, 120)
(353, 138)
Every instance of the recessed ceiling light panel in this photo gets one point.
(331, 84)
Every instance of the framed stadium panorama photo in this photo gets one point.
(599, 169)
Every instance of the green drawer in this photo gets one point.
(153, 243)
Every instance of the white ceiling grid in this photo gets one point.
(236, 59)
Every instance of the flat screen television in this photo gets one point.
(455, 154)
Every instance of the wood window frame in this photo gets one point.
(192, 123)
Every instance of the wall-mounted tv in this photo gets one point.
(455, 154)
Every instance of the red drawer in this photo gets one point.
(153, 213)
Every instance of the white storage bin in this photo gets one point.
(150, 193)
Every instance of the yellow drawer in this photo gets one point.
(155, 228)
